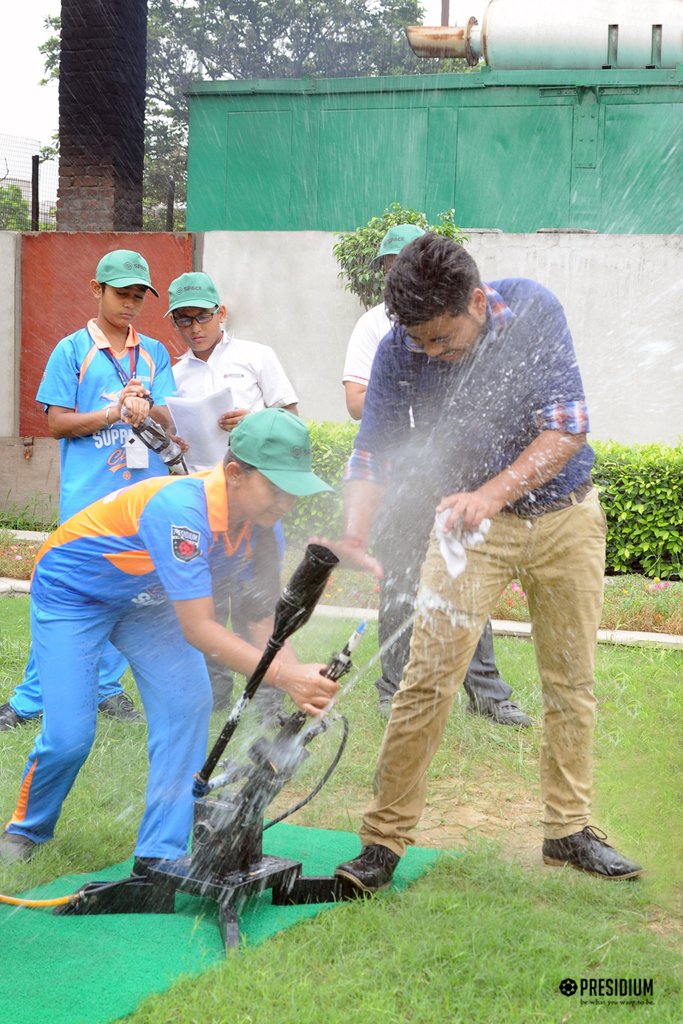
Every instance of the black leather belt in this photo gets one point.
(540, 509)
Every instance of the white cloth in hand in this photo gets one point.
(454, 544)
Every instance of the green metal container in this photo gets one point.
(514, 150)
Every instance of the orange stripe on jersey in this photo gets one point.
(113, 517)
(108, 517)
(216, 491)
(146, 358)
(22, 802)
(86, 362)
(133, 563)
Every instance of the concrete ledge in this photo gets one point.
(11, 587)
(508, 627)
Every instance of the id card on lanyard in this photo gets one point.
(137, 452)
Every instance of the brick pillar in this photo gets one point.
(101, 115)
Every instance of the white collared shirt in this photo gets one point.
(252, 372)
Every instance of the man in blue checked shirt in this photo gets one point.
(489, 376)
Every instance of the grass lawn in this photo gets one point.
(483, 937)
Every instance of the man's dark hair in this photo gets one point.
(432, 275)
(244, 466)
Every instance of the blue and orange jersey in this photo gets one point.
(80, 375)
(157, 539)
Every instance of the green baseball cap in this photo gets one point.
(395, 239)
(192, 289)
(277, 443)
(122, 268)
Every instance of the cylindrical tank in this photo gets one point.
(526, 34)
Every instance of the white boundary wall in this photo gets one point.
(623, 295)
(9, 334)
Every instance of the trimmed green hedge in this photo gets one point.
(331, 445)
(641, 487)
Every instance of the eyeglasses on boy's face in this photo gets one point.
(185, 320)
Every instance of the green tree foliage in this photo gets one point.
(210, 40)
(15, 214)
(252, 39)
(355, 249)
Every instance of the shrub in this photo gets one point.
(322, 513)
(641, 487)
(355, 249)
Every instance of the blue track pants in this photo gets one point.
(27, 699)
(68, 644)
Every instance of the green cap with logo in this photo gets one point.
(277, 443)
(123, 268)
(192, 289)
(395, 239)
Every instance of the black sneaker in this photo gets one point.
(9, 719)
(587, 851)
(15, 847)
(371, 870)
(504, 712)
(120, 706)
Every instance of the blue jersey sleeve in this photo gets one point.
(174, 528)
(60, 382)
(163, 384)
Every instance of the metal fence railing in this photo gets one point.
(28, 186)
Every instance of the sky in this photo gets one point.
(29, 110)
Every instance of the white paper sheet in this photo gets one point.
(196, 421)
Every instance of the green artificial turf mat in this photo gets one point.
(95, 969)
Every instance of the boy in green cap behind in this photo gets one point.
(215, 360)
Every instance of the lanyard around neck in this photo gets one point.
(133, 354)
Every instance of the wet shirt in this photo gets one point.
(163, 538)
(80, 375)
(448, 427)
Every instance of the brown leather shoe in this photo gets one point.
(371, 870)
(587, 851)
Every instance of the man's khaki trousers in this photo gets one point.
(559, 557)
